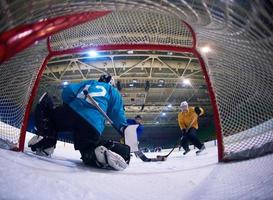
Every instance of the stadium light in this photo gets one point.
(163, 114)
(65, 83)
(205, 49)
(186, 82)
(92, 53)
(170, 106)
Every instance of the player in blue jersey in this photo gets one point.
(78, 115)
(137, 120)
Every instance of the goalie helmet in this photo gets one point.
(107, 78)
(138, 117)
(184, 106)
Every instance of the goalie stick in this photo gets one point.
(139, 153)
(94, 103)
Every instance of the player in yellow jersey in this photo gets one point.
(188, 123)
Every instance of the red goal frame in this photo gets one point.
(21, 37)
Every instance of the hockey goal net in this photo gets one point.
(239, 78)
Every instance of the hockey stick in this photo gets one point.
(165, 157)
(159, 157)
(94, 103)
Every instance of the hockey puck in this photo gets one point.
(163, 158)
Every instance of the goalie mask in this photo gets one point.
(107, 78)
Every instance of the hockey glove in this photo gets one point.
(183, 131)
(122, 140)
(197, 110)
(122, 130)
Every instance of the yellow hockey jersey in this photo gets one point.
(189, 119)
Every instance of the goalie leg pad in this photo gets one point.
(122, 149)
(41, 146)
(42, 143)
(43, 121)
(34, 140)
(107, 155)
(108, 158)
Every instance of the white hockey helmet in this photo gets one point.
(184, 106)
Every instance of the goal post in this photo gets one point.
(238, 138)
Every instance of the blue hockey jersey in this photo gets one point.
(139, 128)
(107, 97)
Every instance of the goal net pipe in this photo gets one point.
(27, 35)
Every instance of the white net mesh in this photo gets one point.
(239, 65)
(240, 69)
(125, 28)
(17, 78)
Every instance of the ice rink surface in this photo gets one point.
(26, 176)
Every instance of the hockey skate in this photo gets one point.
(45, 152)
(42, 146)
(201, 151)
(186, 151)
(107, 158)
(44, 142)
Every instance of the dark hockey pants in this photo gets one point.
(190, 136)
(64, 119)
